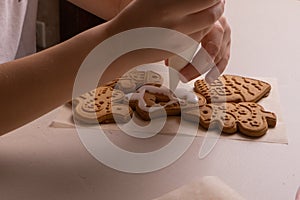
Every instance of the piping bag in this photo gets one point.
(196, 56)
(199, 58)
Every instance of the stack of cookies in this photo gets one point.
(230, 103)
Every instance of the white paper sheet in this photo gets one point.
(270, 103)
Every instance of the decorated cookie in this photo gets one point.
(229, 88)
(134, 79)
(152, 102)
(102, 105)
(247, 118)
(189, 99)
(112, 83)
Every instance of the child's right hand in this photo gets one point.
(191, 17)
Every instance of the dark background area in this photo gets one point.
(74, 20)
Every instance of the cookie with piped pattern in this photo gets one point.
(232, 88)
(247, 118)
(102, 105)
(134, 79)
(152, 102)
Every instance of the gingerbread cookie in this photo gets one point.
(102, 105)
(189, 99)
(247, 118)
(149, 101)
(134, 79)
(112, 83)
(152, 102)
(230, 88)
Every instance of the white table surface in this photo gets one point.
(38, 162)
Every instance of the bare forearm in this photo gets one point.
(32, 86)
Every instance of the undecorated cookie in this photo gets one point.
(230, 88)
(102, 105)
(247, 118)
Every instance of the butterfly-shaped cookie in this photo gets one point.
(247, 118)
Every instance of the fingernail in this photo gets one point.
(212, 75)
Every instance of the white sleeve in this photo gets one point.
(12, 15)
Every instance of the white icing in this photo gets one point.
(128, 96)
(190, 96)
(154, 90)
(178, 62)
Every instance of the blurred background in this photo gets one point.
(58, 20)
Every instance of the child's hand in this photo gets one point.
(215, 56)
(191, 17)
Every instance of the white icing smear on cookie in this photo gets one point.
(190, 96)
(180, 94)
(153, 90)
(128, 96)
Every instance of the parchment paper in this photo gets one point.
(271, 103)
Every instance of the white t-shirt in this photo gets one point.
(17, 28)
